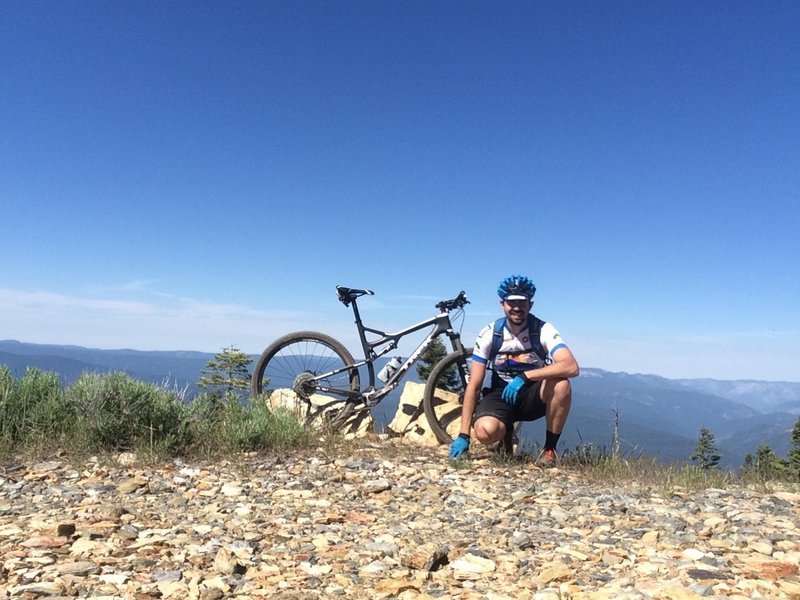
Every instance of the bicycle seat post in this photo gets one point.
(362, 335)
(348, 296)
(356, 313)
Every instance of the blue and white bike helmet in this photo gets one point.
(516, 287)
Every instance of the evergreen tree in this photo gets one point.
(765, 464)
(227, 373)
(794, 452)
(765, 459)
(427, 361)
(749, 462)
(706, 455)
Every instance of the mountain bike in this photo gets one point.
(315, 364)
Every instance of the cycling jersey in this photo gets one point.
(515, 353)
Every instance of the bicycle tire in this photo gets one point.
(283, 363)
(441, 381)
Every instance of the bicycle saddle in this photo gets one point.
(347, 295)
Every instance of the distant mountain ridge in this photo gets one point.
(766, 395)
(650, 407)
(179, 367)
(657, 416)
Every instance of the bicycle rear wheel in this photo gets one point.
(293, 361)
(444, 394)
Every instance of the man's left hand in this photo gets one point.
(459, 446)
(512, 389)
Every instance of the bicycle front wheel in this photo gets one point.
(294, 362)
(444, 394)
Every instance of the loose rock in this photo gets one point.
(389, 520)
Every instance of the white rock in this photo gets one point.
(469, 563)
(693, 554)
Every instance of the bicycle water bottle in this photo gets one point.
(390, 369)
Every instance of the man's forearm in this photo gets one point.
(467, 410)
(561, 369)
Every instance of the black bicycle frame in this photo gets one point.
(442, 325)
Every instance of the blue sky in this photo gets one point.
(194, 175)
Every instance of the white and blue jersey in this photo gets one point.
(516, 352)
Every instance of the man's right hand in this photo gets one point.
(512, 389)
(459, 446)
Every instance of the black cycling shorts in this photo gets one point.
(529, 405)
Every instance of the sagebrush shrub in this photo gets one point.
(33, 411)
(117, 412)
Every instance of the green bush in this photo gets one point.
(114, 412)
(32, 411)
(227, 425)
(117, 412)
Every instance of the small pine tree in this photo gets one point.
(427, 361)
(227, 373)
(794, 453)
(706, 455)
(749, 462)
(765, 464)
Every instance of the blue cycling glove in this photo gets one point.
(512, 389)
(459, 446)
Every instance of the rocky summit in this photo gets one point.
(384, 520)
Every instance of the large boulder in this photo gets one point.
(359, 424)
(410, 422)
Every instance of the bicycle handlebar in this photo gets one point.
(459, 301)
(347, 295)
